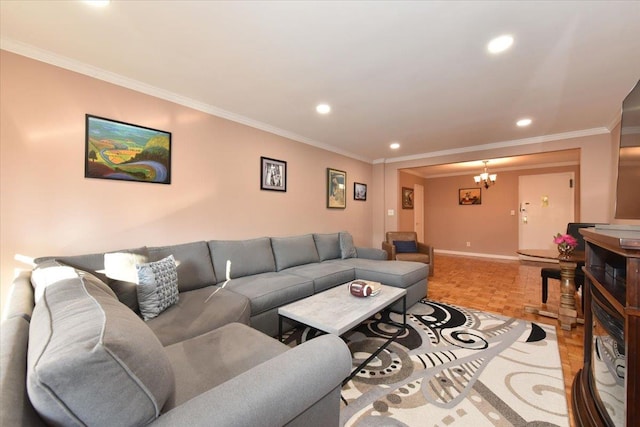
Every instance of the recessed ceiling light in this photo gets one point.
(523, 122)
(394, 145)
(97, 3)
(500, 44)
(323, 108)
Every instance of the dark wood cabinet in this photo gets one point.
(606, 391)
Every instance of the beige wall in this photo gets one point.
(48, 207)
(489, 227)
(405, 216)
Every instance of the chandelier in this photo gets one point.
(485, 179)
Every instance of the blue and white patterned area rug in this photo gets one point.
(453, 366)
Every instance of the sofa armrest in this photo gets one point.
(272, 393)
(390, 249)
(371, 253)
(21, 296)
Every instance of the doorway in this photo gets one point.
(547, 205)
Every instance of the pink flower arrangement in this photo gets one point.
(565, 241)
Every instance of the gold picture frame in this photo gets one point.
(407, 198)
(336, 189)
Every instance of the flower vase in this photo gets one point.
(565, 251)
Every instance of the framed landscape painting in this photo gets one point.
(126, 152)
(336, 189)
(273, 174)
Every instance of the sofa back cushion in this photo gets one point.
(92, 361)
(328, 246)
(95, 264)
(195, 269)
(248, 257)
(293, 251)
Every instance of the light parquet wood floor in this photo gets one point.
(505, 287)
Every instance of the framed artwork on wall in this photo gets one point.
(407, 198)
(470, 196)
(359, 191)
(273, 174)
(126, 152)
(336, 189)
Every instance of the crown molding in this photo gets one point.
(503, 144)
(51, 58)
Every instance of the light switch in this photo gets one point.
(390, 212)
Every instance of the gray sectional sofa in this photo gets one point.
(83, 355)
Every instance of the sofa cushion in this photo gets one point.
(47, 273)
(205, 361)
(347, 248)
(416, 257)
(20, 298)
(51, 272)
(195, 269)
(92, 361)
(15, 407)
(120, 268)
(405, 246)
(248, 257)
(270, 290)
(328, 246)
(400, 274)
(325, 275)
(198, 312)
(292, 251)
(157, 286)
(94, 264)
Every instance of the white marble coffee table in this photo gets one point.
(336, 311)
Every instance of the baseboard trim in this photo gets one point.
(476, 255)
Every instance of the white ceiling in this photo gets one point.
(413, 72)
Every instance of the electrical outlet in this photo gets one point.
(468, 244)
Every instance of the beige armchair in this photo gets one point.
(412, 250)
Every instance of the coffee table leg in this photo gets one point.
(279, 328)
(404, 313)
(401, 329)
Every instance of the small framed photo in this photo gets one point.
(336, 189)
(407, 198)
(470, 196)
(273, 174)
(126, 152)
(359, 191)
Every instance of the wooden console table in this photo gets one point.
(567, 313)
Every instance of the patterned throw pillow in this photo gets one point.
(157, 286)
(405, 246)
